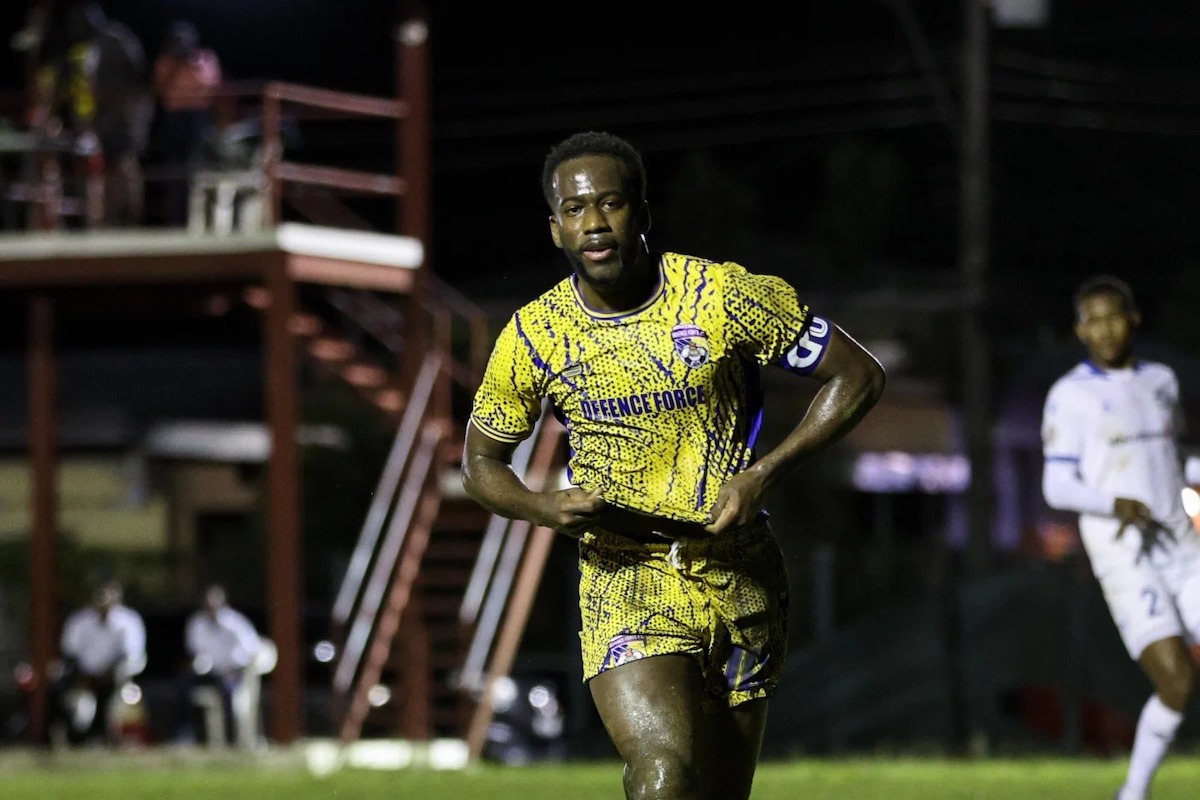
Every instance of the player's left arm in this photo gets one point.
(852, 381)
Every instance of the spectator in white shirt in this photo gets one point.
(223, 645)
(103, 646)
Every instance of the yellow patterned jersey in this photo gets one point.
(661, 403)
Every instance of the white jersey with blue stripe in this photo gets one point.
(1119, 429)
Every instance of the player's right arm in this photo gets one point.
(489, 478)
(504, 413)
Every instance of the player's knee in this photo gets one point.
(660, 777)
(1176, 689)
(1174, 677)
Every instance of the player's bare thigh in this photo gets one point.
(652, 711)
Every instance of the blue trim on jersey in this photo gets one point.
(1067, 459)
(754, 403)
(1136, 365)
(533, 353)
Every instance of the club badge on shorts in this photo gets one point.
(691, 344)
(623, 648)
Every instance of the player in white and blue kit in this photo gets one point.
(1109, 433)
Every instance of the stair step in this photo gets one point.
(441, 605)
(462, 515)
(450, 542)
(445, 577)
(445, 635)
(389, 399)
(331, 349)
(305, 325)
(452, 555)
(365, 376)
(257, 297)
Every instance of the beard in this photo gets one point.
(611, 274)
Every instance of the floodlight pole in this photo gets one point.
(969, 135)
(968, 129)
(974, 231)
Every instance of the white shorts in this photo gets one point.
(1149, 604)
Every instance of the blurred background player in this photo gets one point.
(103, 647)
(1109, 437)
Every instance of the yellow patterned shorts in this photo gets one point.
(723, 600)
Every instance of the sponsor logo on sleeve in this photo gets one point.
(805, 354)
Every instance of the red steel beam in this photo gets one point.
(284, 536)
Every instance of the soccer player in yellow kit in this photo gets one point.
(652, 360)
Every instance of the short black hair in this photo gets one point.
(587, 143)
(1106, 284)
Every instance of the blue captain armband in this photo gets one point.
(805, 355)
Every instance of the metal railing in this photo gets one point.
(374, 557)
(504, 584)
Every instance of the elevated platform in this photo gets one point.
(310, 254)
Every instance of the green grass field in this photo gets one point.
(851, 779)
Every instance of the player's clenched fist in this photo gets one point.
(738, 502)
(572, 511)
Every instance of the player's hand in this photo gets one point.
(572, 511)
(1130, 513)
(1154, 534)
(1133, 513)
(738, 502)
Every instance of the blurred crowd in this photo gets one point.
(101, 110)
(95, 697)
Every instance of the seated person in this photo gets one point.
(103, 647)
(226, 656)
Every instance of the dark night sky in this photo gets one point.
(1093, 150)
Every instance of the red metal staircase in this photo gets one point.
(416, 360)
(437, 591)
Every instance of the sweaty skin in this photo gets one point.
(651, 707)
(600, 232)
(670, 747)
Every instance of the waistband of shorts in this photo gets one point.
(623, 526)
(648, 528)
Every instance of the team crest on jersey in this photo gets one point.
(623, 648)
(691, 344)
